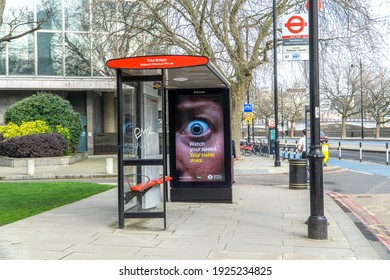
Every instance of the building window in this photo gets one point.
(50, 54)
(77, 15)
(54, 8)
(21, 56)
(2, 58)
(78, 54)
(104, 16)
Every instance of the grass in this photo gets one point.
(20, 200)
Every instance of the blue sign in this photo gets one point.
(247, 107)
(272, 134)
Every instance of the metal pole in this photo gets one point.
(281, 95)
(277, 157)
(317, 222)
(121, 203)
(253, 131)
(164, 144)
(340, 150)
(361, 96)
(247, 58)
(249, 127)
(387, 153)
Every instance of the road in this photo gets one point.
(363, 191)
(370, 156)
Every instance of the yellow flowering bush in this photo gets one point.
(12, 130)
(35, 127)
(63, 131)
(26, 128)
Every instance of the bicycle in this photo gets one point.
(246, 149)
(256, 148)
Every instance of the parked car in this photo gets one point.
(323, 137)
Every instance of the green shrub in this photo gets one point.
(49, 108)
(66, 134)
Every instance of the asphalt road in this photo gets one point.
(370, 156)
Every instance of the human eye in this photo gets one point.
(197, 128)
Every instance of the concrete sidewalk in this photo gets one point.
(263, 222)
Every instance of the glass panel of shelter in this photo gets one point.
(141, 138)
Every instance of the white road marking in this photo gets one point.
(361, 172)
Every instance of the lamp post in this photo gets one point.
(317, 222)
(277, 157)
(247, 57)
(361, 96)
(282, 105)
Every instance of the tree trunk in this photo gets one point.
(2, 6)
(238, 91)
(343, 127)
(377, 130)
(292, 125)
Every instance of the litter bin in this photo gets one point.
(298, 174)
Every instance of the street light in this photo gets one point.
(247, 57)
(317, 222)
(282, 105)
(277, 157)
(361, 96)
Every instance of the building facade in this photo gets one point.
(66, 55)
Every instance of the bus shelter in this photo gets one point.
(173, 124)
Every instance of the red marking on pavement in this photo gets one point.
(366, 219)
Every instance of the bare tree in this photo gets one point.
(263, 103)
(237, 35)
(377, 98)
(2, 6)
(341, 87)
(17, 19)
(294, 100)
(117, 29)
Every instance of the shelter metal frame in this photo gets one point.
(169, 70)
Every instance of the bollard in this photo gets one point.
(109, 166)
(298, 174)
(30, 167)
(340, 150)
(361, 152)
(387, 153)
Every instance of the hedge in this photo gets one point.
(49, 108)
(34, 145)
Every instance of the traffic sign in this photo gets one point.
(248, 121)
(296, 24)
(295, 37)
(271, 123)
(249, 115)
(248, 107)
(319, 5)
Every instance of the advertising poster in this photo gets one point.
(199, 137)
